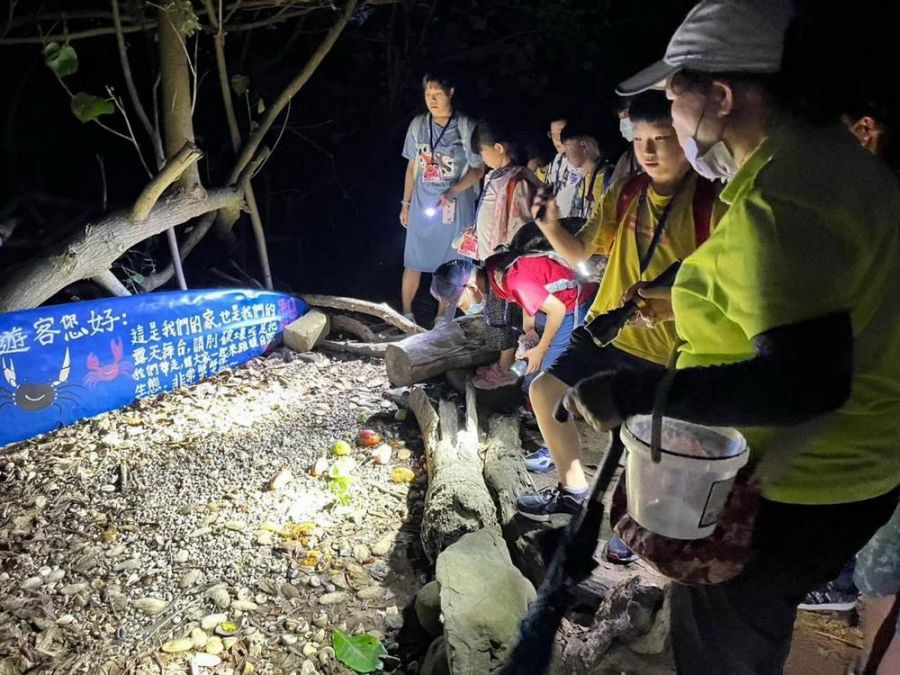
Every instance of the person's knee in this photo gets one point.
(545, 391)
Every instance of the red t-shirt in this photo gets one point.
(526, 281)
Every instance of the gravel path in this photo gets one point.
(122, 537)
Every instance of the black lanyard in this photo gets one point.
(660, 226)
(431, 140)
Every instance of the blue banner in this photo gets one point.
(67, 362)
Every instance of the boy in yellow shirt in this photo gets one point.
(643, 225)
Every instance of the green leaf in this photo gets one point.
(361, 653)
(87, 107)
(260, 107)
(138, 278)
(240, 84)
(61, 59)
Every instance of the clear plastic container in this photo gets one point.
(683, 495)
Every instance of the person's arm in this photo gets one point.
(555, 310)
(408, 183)
(472, 175)
(799, 372)
(570, 247)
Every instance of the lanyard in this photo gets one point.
(660, 226)
(431, 140)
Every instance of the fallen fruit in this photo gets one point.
(280, 479)
(341, 448)
(320, 467)
(401, 474)
(381, 454)
(369, 438)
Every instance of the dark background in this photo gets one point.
(330, 193)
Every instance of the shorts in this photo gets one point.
(583, 358)
(878, 563)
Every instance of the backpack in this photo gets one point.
(702, 207)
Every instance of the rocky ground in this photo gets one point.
(149, 541)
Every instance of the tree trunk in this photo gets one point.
(92, 249)
(178, 125)
(504, 467)
(457, 501)
(457, 344)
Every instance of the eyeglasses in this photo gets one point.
(554, 137)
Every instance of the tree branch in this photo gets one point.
(290, 90)
(382, 311)
(110, 282)
(171, 172)
(132, 90)
(94, 248)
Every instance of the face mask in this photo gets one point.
(475, 308)
(716, 163)
(626, 128)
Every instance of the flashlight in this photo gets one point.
(430, 211)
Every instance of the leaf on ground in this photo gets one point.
(61, 59)
(361, 653)
(87, 107)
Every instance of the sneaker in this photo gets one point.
(494, 377)
(542, 505)
(828, 598)
(540, 461)
(617, 552)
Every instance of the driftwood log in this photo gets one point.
(504, 467)
(355, 327)
(457, 501)
(383, 311)
(462, 343)
(358, 348)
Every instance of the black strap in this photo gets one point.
(431, 140)
(660, 226)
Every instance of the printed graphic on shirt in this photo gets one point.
(437, 167)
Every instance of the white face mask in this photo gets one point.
(716, 163)
(475, 308)
(626, 128)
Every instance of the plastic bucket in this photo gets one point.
(683, 495)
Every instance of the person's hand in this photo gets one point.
(446, 197)
(527, 341)
(535, 357)
(654, 305)
(593, 400)
(544, 201)
(404, 215)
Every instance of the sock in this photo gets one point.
(575, 492)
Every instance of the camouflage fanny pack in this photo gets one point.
(712, 560)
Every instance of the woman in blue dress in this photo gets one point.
(438, 196)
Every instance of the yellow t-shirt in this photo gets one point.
(813, 228)
(624, 242)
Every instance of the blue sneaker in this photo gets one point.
(540, 506)
(540, 461)
(617, 552)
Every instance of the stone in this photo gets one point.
(199, 638)
(307, 332)
(393, 619)
(372, 592)
(289, 639)
(361, 553)
(308, 668)
(435, 661)
(215, 646)
(483, 600)
(334, 598)
(385, 544)
(428, 608)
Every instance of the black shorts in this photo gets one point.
(584, 358)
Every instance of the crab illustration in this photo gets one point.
(110, 371)
(36, 396)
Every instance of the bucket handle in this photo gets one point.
(659, 403)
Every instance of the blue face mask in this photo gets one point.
(475, 308)
(626, 128)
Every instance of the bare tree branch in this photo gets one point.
(171, 172)
(110, 282)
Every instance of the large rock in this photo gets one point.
(308, 331)
(428, 608)
(483, 600)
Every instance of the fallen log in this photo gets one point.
(457, 501)
(462, 343)
(429, 424)
(382, 311)
(358, 348)
(504, 467)
(355, 327)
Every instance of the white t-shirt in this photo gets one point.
(564, 180)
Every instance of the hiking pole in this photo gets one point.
(573, 561)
